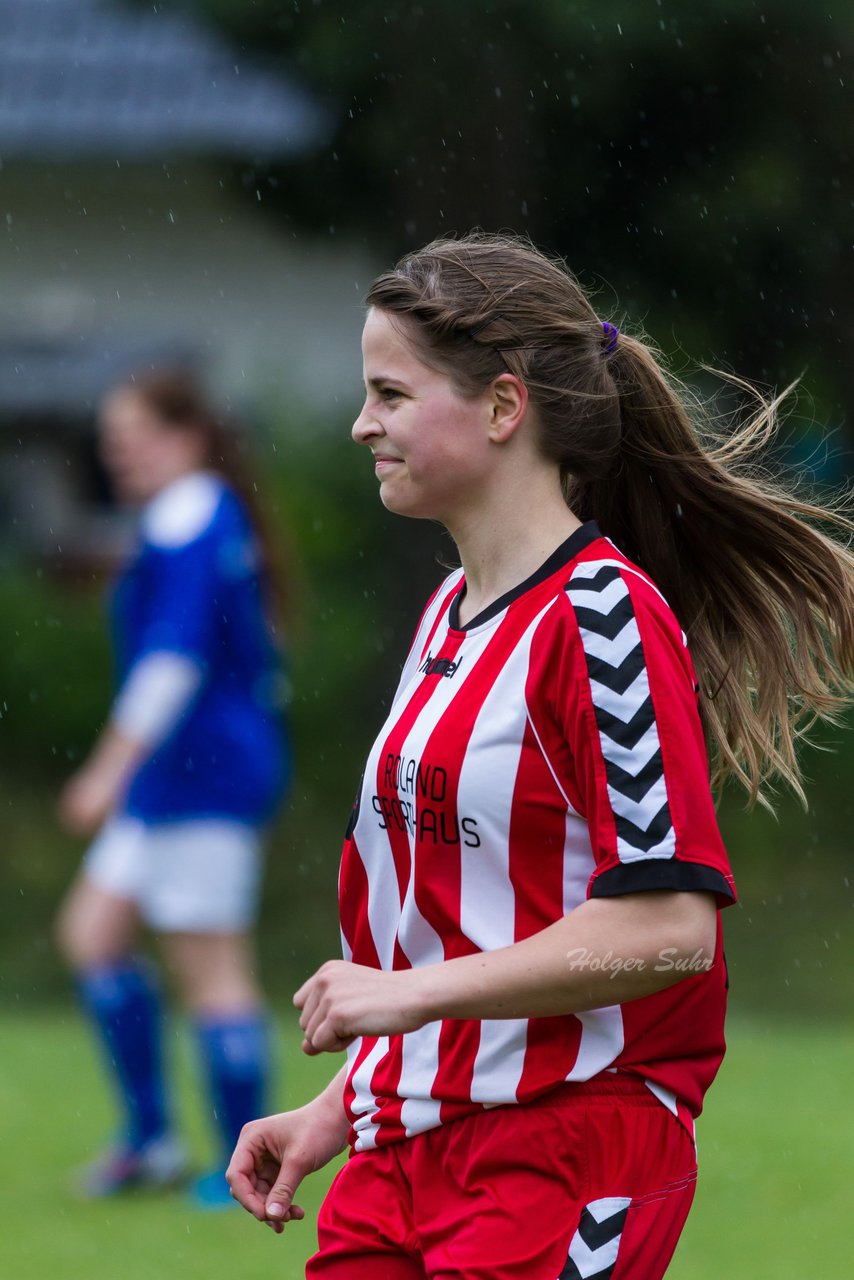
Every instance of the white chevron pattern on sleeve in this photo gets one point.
(625, 717)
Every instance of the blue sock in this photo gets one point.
(236, 1054)
(123, 1002)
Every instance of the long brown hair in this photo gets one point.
(765, 595)
(178, 400)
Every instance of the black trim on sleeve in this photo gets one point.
(662, 873)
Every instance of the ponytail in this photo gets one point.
(766, 597)
(761, 581)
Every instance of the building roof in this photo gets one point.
(97, 79)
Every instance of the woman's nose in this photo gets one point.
(365, 427)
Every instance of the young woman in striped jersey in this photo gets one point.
(532, 995)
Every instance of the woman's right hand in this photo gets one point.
(274, 1154)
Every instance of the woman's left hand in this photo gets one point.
(343, 1000)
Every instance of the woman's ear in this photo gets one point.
(509, 397)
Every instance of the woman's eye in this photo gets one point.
(389, 393)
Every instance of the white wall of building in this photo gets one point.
(135, 248)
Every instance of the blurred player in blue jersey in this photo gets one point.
(181, 782)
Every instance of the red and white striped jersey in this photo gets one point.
(548, 751)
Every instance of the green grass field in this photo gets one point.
(776, 1166)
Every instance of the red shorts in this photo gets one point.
(592, 1180)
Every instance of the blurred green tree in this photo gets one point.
(696, 157)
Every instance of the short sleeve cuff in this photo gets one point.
(663, 873)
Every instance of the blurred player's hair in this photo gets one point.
(180, 403)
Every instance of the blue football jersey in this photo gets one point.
(193, 587)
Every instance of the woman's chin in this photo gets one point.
(392, 499)
(402, 504)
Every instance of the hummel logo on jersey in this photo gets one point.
(439, 666)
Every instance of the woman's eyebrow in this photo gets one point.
(381, 379)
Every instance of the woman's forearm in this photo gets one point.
(96, 789)
(116, 753)
(156, 693)
(330, 1102)
(606, 951)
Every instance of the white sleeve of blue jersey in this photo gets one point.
(154, 696)
(182, 511)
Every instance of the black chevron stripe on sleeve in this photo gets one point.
(625, 716)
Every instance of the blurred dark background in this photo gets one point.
(692, 164)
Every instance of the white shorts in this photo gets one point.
(198, 876)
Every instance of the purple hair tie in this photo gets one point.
(612, 333)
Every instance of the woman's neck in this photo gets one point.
(506, 538)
